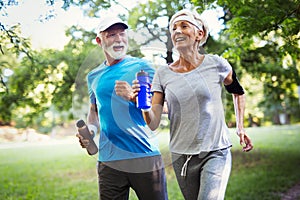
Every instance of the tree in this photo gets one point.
(263, 38)
(44, 81)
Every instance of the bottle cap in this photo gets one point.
(80, 123)
(142, 73)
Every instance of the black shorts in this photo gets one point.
(146, 176)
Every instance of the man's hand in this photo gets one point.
(124, 90)
(245, 141)
(83, 142)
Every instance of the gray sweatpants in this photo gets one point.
(203, 177)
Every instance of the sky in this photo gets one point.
(51, 33)
(47, 34)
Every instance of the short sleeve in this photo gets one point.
(156, 83)
(148, 67)
(224, 68)
(90, 90)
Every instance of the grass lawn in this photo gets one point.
(65, 171)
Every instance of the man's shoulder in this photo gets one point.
(136, 59)
(139, 63)
(96, 70)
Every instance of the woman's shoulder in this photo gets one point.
(162, 69)
(213, 57)
(216, 59)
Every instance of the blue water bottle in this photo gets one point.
(144, 96)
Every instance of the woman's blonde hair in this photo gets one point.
(195, 19)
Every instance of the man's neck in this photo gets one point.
(111, 61)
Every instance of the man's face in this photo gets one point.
(114, 41)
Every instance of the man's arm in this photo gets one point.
(92, 119)
(92, 123)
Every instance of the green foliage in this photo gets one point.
(146, 18)
(92, 7)
(260, 39)
(12, 47)
(47, 80)
(272, 15)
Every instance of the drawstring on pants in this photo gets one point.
(184, 167)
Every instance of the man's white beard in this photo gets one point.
(116, 54)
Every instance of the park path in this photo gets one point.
(293, 193)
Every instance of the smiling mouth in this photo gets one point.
(118, 48)
(179, 39)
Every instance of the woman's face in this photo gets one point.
(185, 34)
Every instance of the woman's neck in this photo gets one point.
(187, 62)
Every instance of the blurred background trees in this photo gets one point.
(43, 88)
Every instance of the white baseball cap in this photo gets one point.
(107, 22)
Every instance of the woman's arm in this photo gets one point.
(239, 102)
(153, 116)
(239, 107)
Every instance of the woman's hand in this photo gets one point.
(135, 87)
(245, 141)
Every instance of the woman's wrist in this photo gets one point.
(240, 131)
(146, 110)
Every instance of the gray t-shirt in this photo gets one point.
(196, 112)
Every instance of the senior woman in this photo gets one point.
(192, 87)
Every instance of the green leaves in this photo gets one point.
(260, 39)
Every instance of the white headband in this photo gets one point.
(189, 19)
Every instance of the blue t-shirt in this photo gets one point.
(123, 131)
